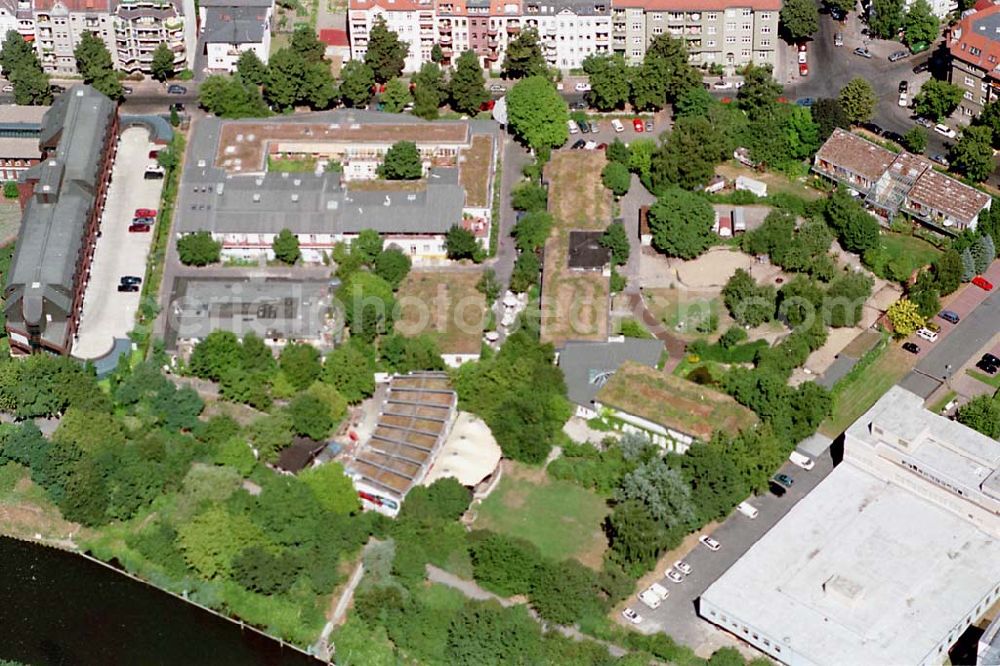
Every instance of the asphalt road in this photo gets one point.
(950, 353)
(677, 615)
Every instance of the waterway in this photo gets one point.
(57, 608)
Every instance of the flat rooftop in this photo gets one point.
(860, 571)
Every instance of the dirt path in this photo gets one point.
(675, 345)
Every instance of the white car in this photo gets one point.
(654, 595)
(683, 567)
(631, 616)
(674, 576)
(9, 88)
(498, 88)
(802, 57)
(927, 334)
(803, 461)
(590, 145)
(709, 542)
(573, 127)
(903, 99)
(723, 85)
(945, 130)
(582, 87)
(617, 124)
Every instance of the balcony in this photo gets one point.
(444, 27)
(492, 32)
(493, 57)
(513, 29)
(493, 42)
(445, 40)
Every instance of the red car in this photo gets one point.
(637, 125)
(138, 228)
(982, 283)
(144, 212)
(153, 154)
(803, 69)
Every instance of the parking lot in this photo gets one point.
(107, 313)
(677, 615)
(606, 133)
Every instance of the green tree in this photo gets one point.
(489, 286)
(948, 271)
(351, 371)
(429, 91)
(395, 97)
(503, 564)
(924, 292)
(386, 53)
(467, 88)
(616, 178)
(286, 72)
(162, 67)
(212, 539)
(318, 87)
(368, 246)
(306, 44)
(300, 363)
(524, 57)
(905, 317)
(251, 69)
(16, 52)
(368, 305)
(258, 570)
(968, 265)
(31, 85)
(231, 97)
(801, 133)
(920, 24)
(526, 271)
(748, 303)
(459, 243)
(800, 19)
(564, 592)
(681, 224)
(886, 18)
(93, 61)
(198, 249)
(356, 83)
(616, 239)
(759, 91)
(537, 114)
(219, 351)
(532, 230)
(915, 139)
(402, 162)
(310, 417)
(437, 54)
(333, 488)
(10, 190)
(664, 75)
(973, 154)
(393, 265)
(609, 81)
(636, 537)
(689, 156)
(982, 413)
(286, 247)
(529, 197)
(694, 102)
(857, 99)
(937, 99)
(444, 501)
(856, 228)
(482, 631)
(828, 114)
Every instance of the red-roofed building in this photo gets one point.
(338, 44)
(974, 45)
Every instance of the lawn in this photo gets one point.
(859, 393)
(993, 381)
(561, 518)
(291, 164)
(446, 306)
(911, 252)
(682, 311)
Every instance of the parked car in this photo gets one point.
(127, 90)
(578, 106)
(57, 89)
(991, 359)
(927, 334)
(723, 85)
(144, 212)
(128, 287)
(802, 460)
(590, 145)
(130, 279)
(649, 125)
(143, 220)
(582, 87)
(944, 130)
(838, 14)
(683, 567)
(921, 67)
(896, 56)
(893, 136)
(631, 616)
(498, 88)
(940, 159)
(873, 128)
(805, 101)
(838, 38)
(638, 125)
(747, 509)
(803, 69)
(949, 315)
(988, 368)
(904, 85)
(617, 125)
(784, 480)
(982, 283)
(573, 127)
(802, 53)
(904, 99)
(925, 122)
(709, 542)
(138, 228)
(175, 89)
(932, 326)
(153, 173)
(911, 347)
(654, 595)
(674, 576)
(178, 107)
(580, 143)
(9, 88)
(863, 52)
(584, 126)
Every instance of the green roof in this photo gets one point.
(673, 402)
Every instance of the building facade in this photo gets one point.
(59, 27)
(230, 27)
(974, 47)
(412, 20)
(717, 32)
(142, 25)
(20, 129)
(62, 200)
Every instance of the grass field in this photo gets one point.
(856, 397)
(446, 306)
(291, 164)
(561, 518)
(910, 249)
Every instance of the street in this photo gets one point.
(677, 615)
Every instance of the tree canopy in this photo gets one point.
(537, 114)
(681, 224)
(402, 162)
(198, 249)
(385, 53)
(524, 57)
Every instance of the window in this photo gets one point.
(637, 26)
(657, 16)
(710, 30)
(636, 53)
(746, 39)
(712, 16)
(765, 42)
(747, 12)
(969, 81)
(731, 39)
(710, 44)
(745, 53)
(747, 27)
(765, 29)
(657, 29)
(766, 16)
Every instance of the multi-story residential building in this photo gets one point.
(230, 27)
(483, 26)
(974, 45)
(731, 33)
(62, 198)
(60, 24)
(142, 25)
(412, 20)
(894, 183)
(8, 17)
(570, 30)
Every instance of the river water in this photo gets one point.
(59, 608)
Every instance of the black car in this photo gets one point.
(584, 126)
(922, 67)
(991, 359)
(131, 279)
(174, 89)
(776, 488)
(873, 128)
(178, 107)
(128, 287)
(837, 14)
(988, 368)
(893, 136)
(904, 86)
(57, 89)
(579, 106)
(911, 347)
(143, 220)
(579, 144)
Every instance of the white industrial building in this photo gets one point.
(888, 560)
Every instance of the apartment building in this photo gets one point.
(483, 26)
(142, 25)
(230, 27)
(724, 32)
(570, 30)
(974, 46)
(412, 20)
(60, 24)
(8, 17)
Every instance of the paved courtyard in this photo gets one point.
(108, 314)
